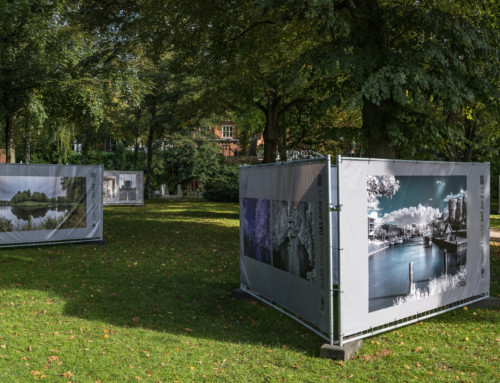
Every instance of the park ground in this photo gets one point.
(154, 304)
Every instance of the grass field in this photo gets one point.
(154, 304)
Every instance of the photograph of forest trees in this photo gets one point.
(42, 203)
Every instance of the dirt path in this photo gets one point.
(495, 237)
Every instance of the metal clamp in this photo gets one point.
(336, 208)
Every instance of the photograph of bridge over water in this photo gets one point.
(417, 237)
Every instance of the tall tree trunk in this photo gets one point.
(10, 139)
(27, 146)
(451, 121)
(137, 134)
(370, 41)
(271, 130)
(84, 146)
(376, 119)
(282, 146)
(470, 133)
(150, 151)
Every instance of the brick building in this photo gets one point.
(227, 138)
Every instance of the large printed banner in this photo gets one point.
(49, 203)
(123, 188)
(284, 236)
(414, 237)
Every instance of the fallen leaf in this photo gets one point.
(188, 330)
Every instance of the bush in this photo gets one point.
(5, 224)
(224, 186)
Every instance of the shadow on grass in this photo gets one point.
(163, 274)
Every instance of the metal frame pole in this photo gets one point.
(339, 294)
(331, 328)
(101, 192)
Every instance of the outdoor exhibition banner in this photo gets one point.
(284, 236)
(414, 238)
(49, 204)
(123, 188)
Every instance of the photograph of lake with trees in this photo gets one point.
(417, 237)
(42, 203)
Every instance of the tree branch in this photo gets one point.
(252, 26)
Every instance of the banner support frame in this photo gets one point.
(339, 276)
(331, 319)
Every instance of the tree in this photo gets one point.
(25, 60)
(75, 188)
(410, 66)
(240, 56)
(190, 157)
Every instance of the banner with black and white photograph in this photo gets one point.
(49, 203)
(414, 237)
(123, 188)
(284, 240)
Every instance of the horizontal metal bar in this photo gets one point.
(62, 242)
(52, 165)
(286, 163)
(410, 161)
(317, 332)
(414, 319)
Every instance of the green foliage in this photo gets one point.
(22, 197)
(224, 187)
(75, 188)
(188, 158)
(5, 224)
(119, 158)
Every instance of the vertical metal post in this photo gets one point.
(339, 277)
(331, 328)
(101, 192)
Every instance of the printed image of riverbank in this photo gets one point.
(434, 270)
(42, 203)
(417, 237)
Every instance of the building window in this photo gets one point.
(227, 131)
(205, 128)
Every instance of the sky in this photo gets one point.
(419, 199)
(10, 185)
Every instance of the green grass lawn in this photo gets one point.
(154, 304)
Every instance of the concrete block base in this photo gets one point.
(343, 353)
